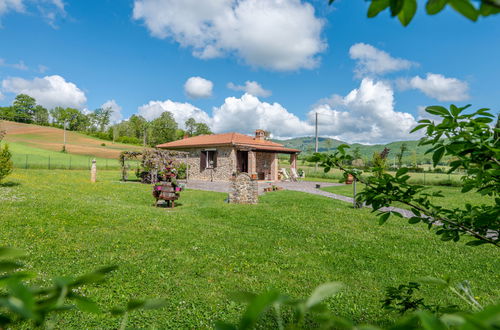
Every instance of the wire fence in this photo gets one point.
(67, 162)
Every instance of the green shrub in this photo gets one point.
(129, 140)
(181, 170)
(6, 164)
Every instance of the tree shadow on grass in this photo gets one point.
(9, 184)
(165, 206)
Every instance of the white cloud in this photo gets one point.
(250, 87)
(19, 65)
(248, 113)
(180, 111)
(198, 87)
(2, 96)
(49, 9)
(42, 68)
(11, 5)
(365, 115)
(116, 114)
(438, 87)
(274, 34)
(49, 91)
(373, 61)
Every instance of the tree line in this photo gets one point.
(135, 130)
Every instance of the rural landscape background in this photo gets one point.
(393, 221)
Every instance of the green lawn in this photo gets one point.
(452, 195)
(431, 179)
(200, 252)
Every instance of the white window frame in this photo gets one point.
(210, 156)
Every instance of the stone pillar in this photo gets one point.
(252, 163)
(293, 161)
(274, 168)
(93, 171)
(244, 190)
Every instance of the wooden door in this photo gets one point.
(242, 161)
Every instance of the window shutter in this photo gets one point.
(203, 160)
(215, 158)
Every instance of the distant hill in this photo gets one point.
(307, 144)
(25, 138)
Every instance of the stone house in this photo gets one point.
(219, 157)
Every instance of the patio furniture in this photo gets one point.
(284, 173)
(295, 176)
(167, 192)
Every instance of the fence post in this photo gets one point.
(106, 164)
(89, 163)
(49, 162)
(354, 193)
(424, 177)
(70, 162)
(26, 163)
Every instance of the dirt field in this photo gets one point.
(50, 138)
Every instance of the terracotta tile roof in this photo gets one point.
(226, 139)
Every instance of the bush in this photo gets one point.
(129, 140)
(181, 170)
(6, 164)
(100, 135)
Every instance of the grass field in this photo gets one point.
(200, 252)
(432, 179)
(27, 157)
(452, 197)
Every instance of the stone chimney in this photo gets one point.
(260, 134)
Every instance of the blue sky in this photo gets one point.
(368, 78)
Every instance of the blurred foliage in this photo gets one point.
(405, 10)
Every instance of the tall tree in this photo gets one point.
(41, 115)
(401, 153)
(138, 126)
(190, 126)
(202, 129)
(103, 117)
(162, 129)
(24, 108)
(72, 118)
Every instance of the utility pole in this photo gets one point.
(316, 148)
(64, 142)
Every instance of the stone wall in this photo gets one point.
(226, 164)
(244, 190)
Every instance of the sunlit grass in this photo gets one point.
(198, 253)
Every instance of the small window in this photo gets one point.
(208, 159)
(211, 159)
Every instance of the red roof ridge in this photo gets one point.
(230, 138)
